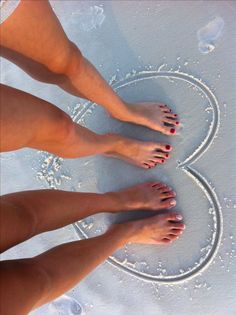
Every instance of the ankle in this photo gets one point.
(125, 232)
(114, 143)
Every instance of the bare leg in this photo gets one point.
(53, 58)
(54, 272)
(27, 121)
(35, 212)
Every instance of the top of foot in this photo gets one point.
(156, 116)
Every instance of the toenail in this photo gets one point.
(179, 217)
(167, 155)
(175, 115)
(177, 122)
(167, 147)
(172, 130)
(162, 161)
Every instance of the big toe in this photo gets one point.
(168, 130)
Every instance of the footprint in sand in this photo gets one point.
(65, 305)
(209, 35)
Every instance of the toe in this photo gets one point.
(157, 160)
(161, 147)
(170, 194)
(176, 231)
(151, 163)
(158, 153)
(177, 226)
(164, 108)
(173, 116)
(172, 237)
(164, 189)
(173, 216)
(168, 130)
(168, 203)
(171, 121)
(165, 241)
(156, 184)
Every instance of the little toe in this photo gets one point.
(151, 163)
(165, 241)
(165, 108)
(172, 237)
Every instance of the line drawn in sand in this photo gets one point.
(185, 166)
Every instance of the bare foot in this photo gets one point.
(146, 196)
(139, 153)
(156, 116)
(160, 229)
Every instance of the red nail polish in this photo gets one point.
(167, 147)
(175, 115)
(172, 130)
(167, 155)
(177, 122)
(162, 161)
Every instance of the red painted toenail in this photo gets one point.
(177, 122)
(167, 147)
(175, 115)
(162, 161)
(172, 130)
(167, 155)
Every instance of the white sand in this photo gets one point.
(150, 51)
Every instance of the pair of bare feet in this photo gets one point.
(159, 229)
(155, 116)
(162, 228)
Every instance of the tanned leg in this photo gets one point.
(35, 212)
(27, 121)
(48, 55)
(29, 283)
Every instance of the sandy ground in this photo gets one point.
(180, 53)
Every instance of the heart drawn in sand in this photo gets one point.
(185, 167)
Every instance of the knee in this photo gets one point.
(54, 129)
(66, 60)
(64, 128)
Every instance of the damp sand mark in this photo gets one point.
(209, 35)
